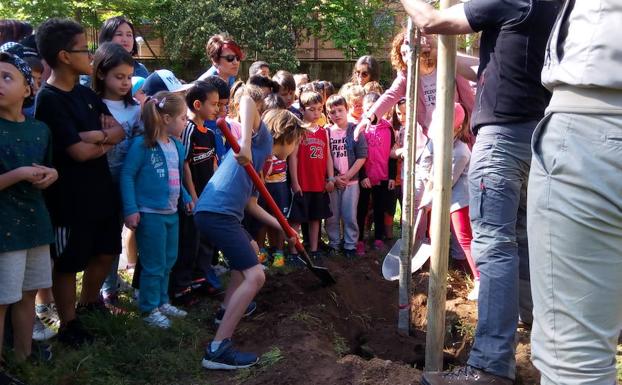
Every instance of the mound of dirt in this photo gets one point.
(347, 333)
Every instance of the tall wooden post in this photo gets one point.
(442, 136)
(408, 209)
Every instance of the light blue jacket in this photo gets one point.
(144, 177)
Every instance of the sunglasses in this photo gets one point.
(362, 74)
(231, 58)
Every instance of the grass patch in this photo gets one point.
(266, 361)
(127, 352)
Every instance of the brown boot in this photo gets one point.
(467, 375)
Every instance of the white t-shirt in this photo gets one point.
(428, 86)
(129, 118)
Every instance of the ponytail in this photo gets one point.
(162, 103)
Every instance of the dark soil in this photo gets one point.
(347, 333)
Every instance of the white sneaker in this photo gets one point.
(40, 332)
(169, 310)
(474, 294)
(157, 319)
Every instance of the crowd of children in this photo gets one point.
(142, 155)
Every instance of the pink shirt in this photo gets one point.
(378, 151)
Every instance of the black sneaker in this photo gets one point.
(40, 353)
(93, 308)
(249, 310)
(227, 358)
(293, 260)
(333, 252)
(6, 379)
(74, 334)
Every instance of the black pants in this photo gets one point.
(194, 255)
(380, 197)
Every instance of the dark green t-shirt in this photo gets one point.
(24, 222)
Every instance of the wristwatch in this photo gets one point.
(330, 179)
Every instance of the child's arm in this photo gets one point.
(25, 173)
(251, 121)
(293, 171)
(188, 182)
(131, 166)
(262, 215)
(330, 170)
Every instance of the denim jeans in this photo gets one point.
(575, 232)
(343, 206)
(497, 206)
(157, 236)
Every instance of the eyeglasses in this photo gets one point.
(86, 51)
(362, 74)
(231, 58)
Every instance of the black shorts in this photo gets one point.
(76, 245)
(226, 233)
(281, 194)
(310, 206)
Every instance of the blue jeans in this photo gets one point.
(575, 227)
(157, 236)
(497, 206)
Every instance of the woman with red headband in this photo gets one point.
(226, 56)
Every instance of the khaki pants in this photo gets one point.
(574, 220)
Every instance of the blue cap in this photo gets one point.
(137, 84)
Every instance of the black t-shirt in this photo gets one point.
(200, 144)
(513, 43)
(84, 190)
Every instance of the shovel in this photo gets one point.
(391, 263)
(321, 272)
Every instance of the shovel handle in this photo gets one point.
(222, 124)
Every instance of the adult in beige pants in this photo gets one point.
(574, 199)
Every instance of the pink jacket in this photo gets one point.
(398, 90)
(379, 143)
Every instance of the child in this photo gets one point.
(113, 67)
(353, 94)
(200, 163)
(287, 90)
(151, 188)
(223, 101)
(348, 157)
(312, 173)
(380, 180)
(399, 124)
(84, 204)
(219, 214)
(26, 229)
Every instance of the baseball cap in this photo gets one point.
(137, 84)
(163, 80)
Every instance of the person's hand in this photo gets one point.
(93, 136)
(108, 122)
(132, 221)
(30, 174)
(330, 186)
(296, 189)
(361, 127)
(391, 184)
(50, 175)
(366, 183)
(341, 181)
(189, 207)
(244, 156)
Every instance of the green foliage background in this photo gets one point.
(268, 29)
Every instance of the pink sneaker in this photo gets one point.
(360, 248)
(378, 244)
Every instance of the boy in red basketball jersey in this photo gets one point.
(312, 173)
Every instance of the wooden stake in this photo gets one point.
(408, 211)
(442, 137)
